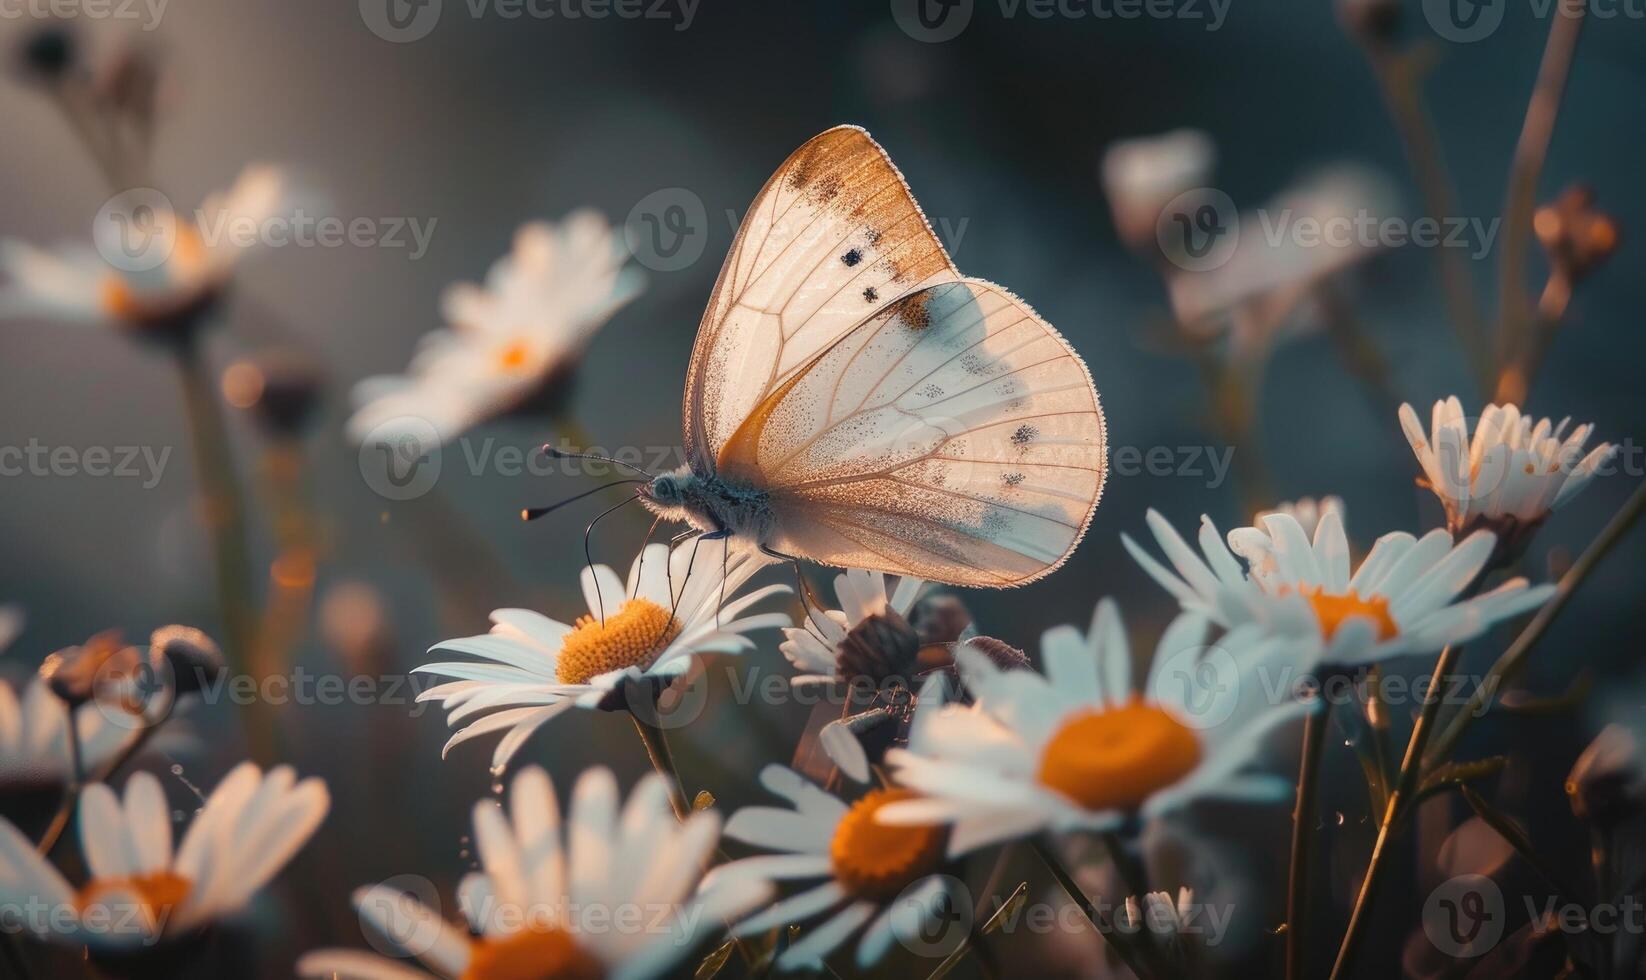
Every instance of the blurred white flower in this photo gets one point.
(1141, 177)
(816, 649)
(180, 266)
(882, 880)
(511, 340)
(533, 668)
(1307, 511)
(34, 749)
(142, 892)
(605, 893)
(1079, 748)
(1517, 467)
(1405, 597)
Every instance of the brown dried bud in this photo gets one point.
(280, 388)
(1002, 654)
(195, 660)
(78, 674)
(1370, 20)
(884, 647)
(940, 618)
(1578, 237)
(1607, 784)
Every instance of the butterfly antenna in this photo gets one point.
(555, 453)
(588, 555)
(533, 513)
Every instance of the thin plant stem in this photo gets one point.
(1303, 825)
(1510, 832)
(974, 939)
(1531, 150)
(223, 507)
(71, 796)
(1405, 784)
(1066, 881)
(1400, 76)
(657, 750)
(1514, 658)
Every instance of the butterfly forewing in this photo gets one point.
(953, 435)
(833, 237)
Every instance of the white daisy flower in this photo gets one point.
(862, 594)
(880, 879)
(34, 748)
(1077, 748)
(510, 339)
(140, 890)
(1406, 596)
(1517, 468)
(533, 668)
(78, 284)
(1307, 511)
(1141, 176)
(606, 894)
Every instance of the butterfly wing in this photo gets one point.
(953, 435)
(833, 236)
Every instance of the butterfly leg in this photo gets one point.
(808, 601)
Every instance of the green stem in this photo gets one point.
(71, 796)
(1066, 881)
(1510, 663)
(1405, 783)
(1303, 821)
(657, 750)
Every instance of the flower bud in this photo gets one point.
(279, 388)
(883, 647)
(1578, 237)
(1607, 784)
(195, 660)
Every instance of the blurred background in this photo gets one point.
(483, 121)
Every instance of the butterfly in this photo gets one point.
(854, 401)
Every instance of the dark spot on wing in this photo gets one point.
(1024, 435)
(852, 257)
(911, 310)
(870, 294)
(1011, 479)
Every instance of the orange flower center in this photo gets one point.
(631, 637)
(532, 954)
(516, 355)
(156, 895)
(877, 861)
(1115, 758)
(184, 266)
(1334, 610)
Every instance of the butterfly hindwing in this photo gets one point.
(954, 435)
(833, 237)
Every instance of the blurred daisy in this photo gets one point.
(1511, 475)
(822, 648)
(1307, 511)
(1077, 748)
(533, 668)
(142, 891)
(1141, 177)
(510, 340)
(607, 894)
(34, 749)
(172, 269)
(880, 879)
(1406, 596)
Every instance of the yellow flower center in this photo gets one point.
(877, 861)
(1117, 757)
(514, 356)
(183, 264)
(157, 894)
(1333, 610)
(532, 954)
(633, 636)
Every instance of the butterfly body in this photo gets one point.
(853, 400)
